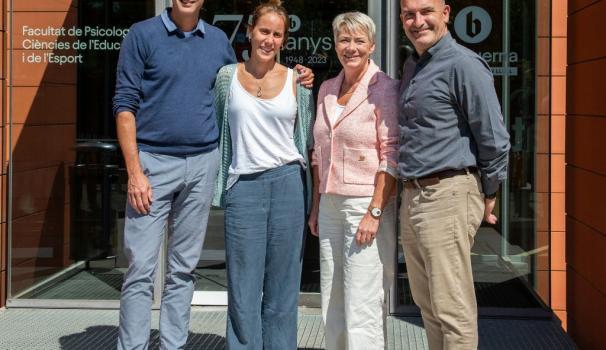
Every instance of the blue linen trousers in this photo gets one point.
(264, 233)
(182, 188)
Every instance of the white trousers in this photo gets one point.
(354, 279)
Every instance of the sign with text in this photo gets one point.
(478, 26)
(67, 43)
(310, 38)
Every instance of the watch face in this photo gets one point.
(376, 212)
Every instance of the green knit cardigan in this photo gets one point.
(303, 134)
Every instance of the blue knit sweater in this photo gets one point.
(166, 79)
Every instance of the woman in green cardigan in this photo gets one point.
(264, 181)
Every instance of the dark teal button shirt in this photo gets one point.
(450, 117)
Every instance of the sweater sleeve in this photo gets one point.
(131, 65)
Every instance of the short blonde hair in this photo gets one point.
(354, 22)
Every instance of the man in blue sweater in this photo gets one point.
(166, 125)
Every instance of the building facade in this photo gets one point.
(63, 179)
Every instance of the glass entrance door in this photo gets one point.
(310, 43)
(506, 257)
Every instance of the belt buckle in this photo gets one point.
(414, 182)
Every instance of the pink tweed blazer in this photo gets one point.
(364, 140)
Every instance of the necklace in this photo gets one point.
(259, 82)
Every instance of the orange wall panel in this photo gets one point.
(3, 247)
(586, 173)
(3, 14)
(586, 321)
(586, 146)
(4, 181)
(542, 245)
(38, 246)
(558, 169)
(42, 146)
(543, 95)
(38, 238)
(587, 34)
(563, 316)
(576, 5)
(558, 251)
(558, 95)
(542, 285)
(586, 253)
(583, 93)
(37, 189)
(585, 197)
(2, 71)
(558, 57)
(558, 134)
(44, 5)
(558, 290)
(46, 104)
(42, 20)
(542, 211)
(2, 288)
(542, 134)
(558, 212)
(35, 74)
(543, 54)
(542, 172)
(543, 9)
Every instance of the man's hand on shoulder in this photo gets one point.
(306, 76)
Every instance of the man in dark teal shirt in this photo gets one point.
(453, 156)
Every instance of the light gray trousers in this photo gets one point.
(182, 189)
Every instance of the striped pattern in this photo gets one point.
(47, 329)
(302, 137)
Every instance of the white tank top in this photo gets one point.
(261, 130)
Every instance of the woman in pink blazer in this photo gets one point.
(354, 164)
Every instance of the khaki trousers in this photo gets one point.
(354, 279)
(438, 224)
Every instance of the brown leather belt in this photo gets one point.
(434, 179)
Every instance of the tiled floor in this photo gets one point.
(47, 329)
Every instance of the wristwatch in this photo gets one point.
(490, 196)
(375, 212)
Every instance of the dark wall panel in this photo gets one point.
(586, 173)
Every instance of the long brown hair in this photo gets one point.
(274, 6)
